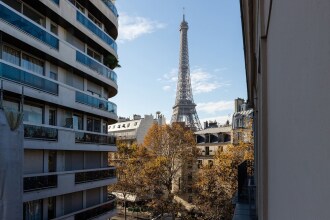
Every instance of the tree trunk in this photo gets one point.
(124, 207)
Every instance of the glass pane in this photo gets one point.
(33, 15)
(33, 210)
(52, 117)
(32, 114)
(11, 55)
(33, 64)
(14, 4)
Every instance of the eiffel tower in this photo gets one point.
(184, 109)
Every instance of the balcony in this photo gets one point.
(90, 138)
(56, 1)
(111, 6)
(95, 102)
(27, 79)
(245, 208)
(39, 182)
(96, 30)
(96, 66)
(40, 132)
(28, 26)
(94, 212)
(83, 177)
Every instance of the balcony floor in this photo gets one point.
(242, 212)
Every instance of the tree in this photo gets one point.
(169, 147)
(128, 160)
(216, 185)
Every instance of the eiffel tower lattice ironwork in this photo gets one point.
(184, 109)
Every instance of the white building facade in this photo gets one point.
(135, 129)
(63, 53)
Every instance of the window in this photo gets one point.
(52, 117)
(34, 15)
(54, 28)
(105, 127)
(13, 106)
(93, 125)
(32, 210)
(128, 125)
(52, 156)
(94, 54)
(78, 6)
(210, 163)
(135, 124)
(17, 5)
(11, 55)
(97, 22)
(77, 122)
(53, 75)
(33, 114)
(51, 207)
(207, 151)
(32, 64)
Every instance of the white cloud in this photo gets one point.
(166, 88)
(172, 76)
(214, 107)
(131, 28)
(201, 81)
(204, 82)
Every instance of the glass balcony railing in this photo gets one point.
(96, 66)
(96, 30)
(56, 1)
(27, 79)
(89, 138)
(88, 176)
(17, 20)
(39, 132)
(111, 6)
(95, 102)
(92, 213)
(39, 182)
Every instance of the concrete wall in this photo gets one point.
(288, 86)
(298, 51)
(11, 163)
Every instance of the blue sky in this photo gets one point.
(148, 49)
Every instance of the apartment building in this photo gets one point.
(286, 48)
(60, 54)
(211, 139)
(242, 123)
(134, 130)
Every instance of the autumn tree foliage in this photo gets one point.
(217, 184)
(129, 159)
(169, 148)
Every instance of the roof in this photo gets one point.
(215, 130)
